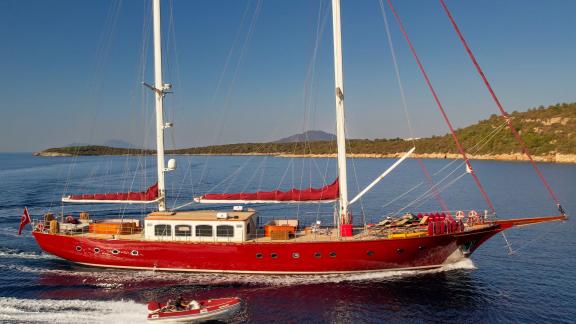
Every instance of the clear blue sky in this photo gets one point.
(71, 70)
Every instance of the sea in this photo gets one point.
(529, 276)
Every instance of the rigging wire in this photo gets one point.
(230, 52)
(140, 169)
(362, 210)
(402, 195)
(427, 194)
(441, 108)
(441, 189)
(537, 238)
(432, 185)
(501, 108)
(226, 105)
(95, 86)
(405, 104)
(175, 69)
(397, 72)
(310, 84)
(476, 148)
(102, 53)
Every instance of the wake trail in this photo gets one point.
(70, 311)
(112, 279)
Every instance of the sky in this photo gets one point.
(260, 70)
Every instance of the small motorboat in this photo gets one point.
(202, 310)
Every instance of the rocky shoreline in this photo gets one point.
(51, 154)
(552, 158)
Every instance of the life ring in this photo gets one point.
(70, 219)
(460, 214)
(472, 217)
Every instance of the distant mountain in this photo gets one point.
(309, 136)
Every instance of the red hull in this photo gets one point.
(285, 257)
(333, 257)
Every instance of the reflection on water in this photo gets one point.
(535, 285)
(395, 295)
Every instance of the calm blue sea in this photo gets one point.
(534, 285)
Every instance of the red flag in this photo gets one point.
(24, 219)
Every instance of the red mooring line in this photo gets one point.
(497, 101)
(439, 104)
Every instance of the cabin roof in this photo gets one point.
(202, 215)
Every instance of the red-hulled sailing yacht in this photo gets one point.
(230, 241)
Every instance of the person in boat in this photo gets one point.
(193, 304)
(179, 303)
(170, 304)
(71, 220)
(175, 304)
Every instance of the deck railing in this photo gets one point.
(438, 223)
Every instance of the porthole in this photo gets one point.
(259, 255)
(399, 250)
(317, 255)
(332, 254)
(134, 252)
(273, 255)
(421, 247)
(78, 248)
(370, 253)
(96, 250)
(115, 251)
(295, 255)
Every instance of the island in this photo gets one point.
(549, 134)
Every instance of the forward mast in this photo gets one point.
(340, 120)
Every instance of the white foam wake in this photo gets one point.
(70, 311)
(15, 254)
(114, 279)
(465, 264)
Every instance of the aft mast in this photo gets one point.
(340, 122)
(159, 91)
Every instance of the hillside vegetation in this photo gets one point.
(550, 130)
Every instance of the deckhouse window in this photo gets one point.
(162, 230)
(204, 230)
(225, 231)
(183, 230)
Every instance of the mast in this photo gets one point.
(340, 126)
(159, 93)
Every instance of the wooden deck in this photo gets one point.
(324, 234)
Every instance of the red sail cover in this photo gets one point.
(328, 192)
(148, 195)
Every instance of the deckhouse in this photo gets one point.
(201, 226)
